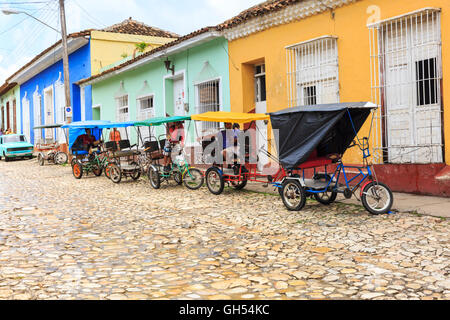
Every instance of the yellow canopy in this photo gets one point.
(231, 117)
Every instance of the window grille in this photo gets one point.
(208, 99)
(146, 111)
(406, 79)
(122, 114)
(313, 72)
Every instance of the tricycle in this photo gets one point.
(316, 137)
(179, 169)
(50, 150)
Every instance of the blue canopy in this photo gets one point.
(77, 129)
(92, 124)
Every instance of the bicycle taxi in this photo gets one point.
(83, 162)
(244, 168)
(180, 170)
(49, 149)
(316, 137)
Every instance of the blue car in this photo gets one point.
(15, 146)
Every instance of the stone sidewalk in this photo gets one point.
(403, 202)
(89, 239)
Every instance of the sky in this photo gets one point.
(22, 38)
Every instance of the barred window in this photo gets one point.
(313, 72)
(208, 99)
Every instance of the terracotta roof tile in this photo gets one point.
(131, 26)
(258, 10)
(149, 53)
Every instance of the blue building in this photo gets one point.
(41, 81)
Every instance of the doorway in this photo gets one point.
(178, 96)
(261, 107)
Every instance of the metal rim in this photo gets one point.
(378, 197)
(77, 170)
(193, 178)
(114, 173)
(154, 177)
(214, 180)
(61, 158)
(292, 194)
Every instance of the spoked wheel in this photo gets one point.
(326, 198)
(136, 173)
(115, 174)
(107, 169)
(239, 185)
(293, 195)
(97, 170)
(178, 177)
(61, 158)
(77, 170)
(154, 177)
(41, 159)
(215, 181)
(193, 179)
(377, 198)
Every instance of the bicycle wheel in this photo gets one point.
(61, 158)
(115, 174)
(293, 195)
(326, 198)
(41, 159)
(136, 173)
(77, 170)
(177, 176)
(239, 185)
(215, 181)
(193, 179)
(97, 170)
(377, 198)
(154, 177)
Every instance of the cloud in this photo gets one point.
(6, 70)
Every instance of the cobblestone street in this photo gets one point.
(62, 238)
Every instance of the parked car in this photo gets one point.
(15, 146)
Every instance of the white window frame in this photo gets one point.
(313, 63)
(150, 131)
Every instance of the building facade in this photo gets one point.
(42, 95)
(393, 53)
(9, 109)
(144, 88)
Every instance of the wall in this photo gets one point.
(80, 68)
(350, 26)
(190, 62)
(9, 96)
(107, 48)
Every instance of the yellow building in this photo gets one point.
(393, 53)
(113, 45)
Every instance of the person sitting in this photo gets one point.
(230, 139)
(89, 143)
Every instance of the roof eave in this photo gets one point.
(184, 45)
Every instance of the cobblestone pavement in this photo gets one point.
(61, 238)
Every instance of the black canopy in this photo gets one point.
(327, 128)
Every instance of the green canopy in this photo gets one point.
(160, 121)
(49, 126)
